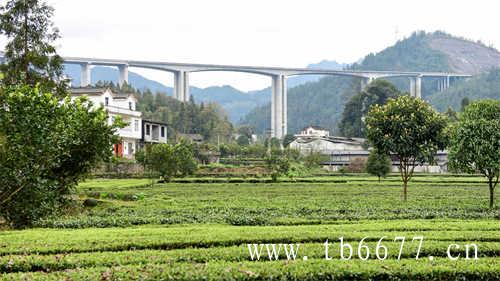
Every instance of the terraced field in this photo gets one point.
(201, 231)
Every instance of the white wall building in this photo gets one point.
(313, 131)
(326, 145)
(122, 105)
(154, 132)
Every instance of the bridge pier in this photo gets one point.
(123, 74)
(365, 81)
(279, 107)
(444, 83)
(181, 85)
(416, 86)
(85, 75)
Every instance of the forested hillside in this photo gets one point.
(486, 85)
(420, 52)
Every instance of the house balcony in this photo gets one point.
(123, 111)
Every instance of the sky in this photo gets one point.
(257, 32)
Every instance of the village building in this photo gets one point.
(313, 131)
(342, 151)
(123, 105)
(153, 132)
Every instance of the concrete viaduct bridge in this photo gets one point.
(278, 77)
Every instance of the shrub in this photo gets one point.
(278, 164)
(378, 164)
(170, 161)
(48, 147)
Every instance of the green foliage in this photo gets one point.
(272, 143)
(48, 147)
(411, 54)
(408, 128)
(287, 139)
(31, 59)
(462, 92)
(377, 92)
(170, 161)
(153, 253)
(475, 142)
(278, 164)
(243, 140)
(314, 159)
(451, 115)
(208, 120)
(378, 164)
(246, 131)
(464, 103)
(297, 170)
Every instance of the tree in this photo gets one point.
(288, 139)
(243, 140)
(314, 159)
(48, 146)
(378, 92)
(464, 103)
(408, 128)
(278, 164)
(475, 142)
(378, 164)
(169, 160)
(451, 114)
(31, 58)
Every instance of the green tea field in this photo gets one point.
(200, 228)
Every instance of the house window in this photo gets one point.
(106, 101)
(130, 105)
(148, 129)
(136, 125)
(162, 132)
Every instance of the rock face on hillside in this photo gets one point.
(465, 56)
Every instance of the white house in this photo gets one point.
(313, 131)
(122, 105)
(154, 132)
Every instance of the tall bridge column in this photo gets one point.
(279, 107)
(416, 86)
(181, 86)
(365, 81)
(85, 76)
(123, 74)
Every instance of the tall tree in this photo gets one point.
(378, 92)
(30, 56)
(408, 128)
(475, 142)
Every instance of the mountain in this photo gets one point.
(324, 64)
(484, 85)
(102, 73)
(235, 103)
(421, 51)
